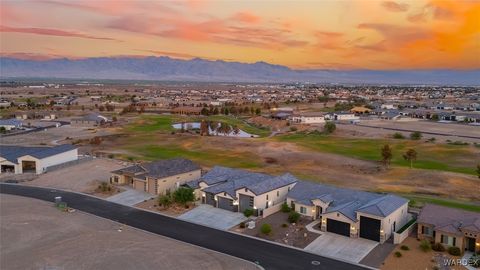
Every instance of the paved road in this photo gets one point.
(269, 255)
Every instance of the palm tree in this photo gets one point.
(411, 156)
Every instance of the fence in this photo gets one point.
(403, 233)
(271, 210)
(68, 164)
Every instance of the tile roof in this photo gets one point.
(13, 152)
(346, 201)
(449, 219)
(160, 168)
(222, 179)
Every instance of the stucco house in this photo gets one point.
(89, 120)
(25, 159)
(308, 118)
(10, 124)
(158, 177)
(349, 212)
(237, 190)
(450, 227)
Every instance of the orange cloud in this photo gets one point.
(49, 32)
(394, 6)
(246, 17)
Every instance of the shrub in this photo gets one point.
(455, 251)
(404, 247)
(266, 228)
(284, 225)
(248, 212)
(285, 208)
(293, 129)
(398, 254)
(398, 135)
(329, 127)
(416, 135)
(293, 217)
(165, 200)
(438, 247)
(184, 195)
(425, 245)
(242, 225)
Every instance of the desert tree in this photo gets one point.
(410, 156)
(387, 154)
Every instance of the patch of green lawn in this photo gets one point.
(430, 156)
(419, 201)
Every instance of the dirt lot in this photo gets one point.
(82, 177)
(35, 235)
(415, 258)
(293, 235)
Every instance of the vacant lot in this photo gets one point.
(83, 177)
(35, 235)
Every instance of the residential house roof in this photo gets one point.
(13, 152)
(10, 122)
(160, 169)
(346, 201)
(449, 220)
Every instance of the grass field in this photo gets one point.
(163, 123)
(419, 201)
(453, 158)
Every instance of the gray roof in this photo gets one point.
(346, 201)
(92, 117)
(228, 180)
(12, 152)
(448, 219)
(160, 168)
(10, 122)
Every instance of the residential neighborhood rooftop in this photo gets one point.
(160, 168)
(13, 152)
(449, 219)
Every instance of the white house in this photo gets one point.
(23, 159)
(308, 118)
(341, 116)
(10, 124)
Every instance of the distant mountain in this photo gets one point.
(169, 69)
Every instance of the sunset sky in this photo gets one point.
(419, 34)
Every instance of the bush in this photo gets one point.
(293, 217)
(455, 251)
(404, 247)
(293, 129)
(248, 212)
(284, 225)
(165, 200)
(398, 254)
(425, 245)
(416, 135)
(266, 228)
(242, 225)
(398, 135)
(329, 127)
(438, 247)
(184, 195)
(286, 208)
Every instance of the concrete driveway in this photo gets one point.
(341, 247)
(130, 197)
(213, 217)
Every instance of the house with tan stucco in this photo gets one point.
(349, 212)
(158, 177)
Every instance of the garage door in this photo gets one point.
(370, 228)
(226, 204)
(210, 199)
(338, 227)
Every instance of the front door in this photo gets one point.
(470, 244)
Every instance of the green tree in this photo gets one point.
(4, 130)
(478, 170)
(258, 111)
(416, 135)
(293, 217)
(386, 154)
(329, 127)
(411, 156)
(165, 200)
(184, 195)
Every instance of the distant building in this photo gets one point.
(360, 110)
(90, 120)
(10, 124)
(341, 116)
(308, 118)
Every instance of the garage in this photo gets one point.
(226, 204)
(29, 166)
(210, 199)
(338, 227)
(8, 169)
(246, 202)
(370, 228)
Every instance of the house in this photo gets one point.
(89, 120)
(308, 118)
(158, 177)
(341, 116)
(24, 159)
(390, 115)
(281, 113)
(237, 190)
(10, 124)
(360, 110)
(348, 212)
(450, 227)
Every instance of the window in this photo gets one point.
(278, 193)
(427, 231)
(267, 197)
(448, 240)
(303, 210)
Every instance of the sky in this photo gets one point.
(328, 34)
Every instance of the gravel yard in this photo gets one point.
(35, 235)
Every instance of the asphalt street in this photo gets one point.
(268, 255)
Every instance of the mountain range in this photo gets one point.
(201, 70)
